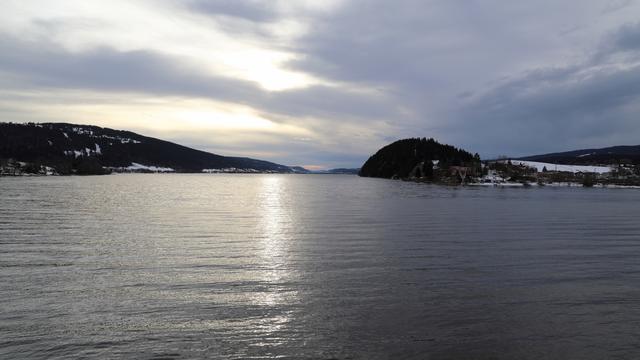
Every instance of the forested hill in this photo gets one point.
(608, 155)
(415, 158)
(83, 149)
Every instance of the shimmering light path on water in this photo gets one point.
(314, 267)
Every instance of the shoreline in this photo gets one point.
(523, 185)
(554, 184)
(471, 184)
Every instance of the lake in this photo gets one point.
(314, 267)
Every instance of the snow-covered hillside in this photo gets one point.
(568, 168)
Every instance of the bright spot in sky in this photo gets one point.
(264, 67)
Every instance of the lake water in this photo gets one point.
(314, 267)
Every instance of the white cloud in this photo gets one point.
(163, 27)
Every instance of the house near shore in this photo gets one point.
(460, 171)
(492, 177)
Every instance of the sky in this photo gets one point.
(325, 84)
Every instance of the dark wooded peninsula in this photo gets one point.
(421, 158)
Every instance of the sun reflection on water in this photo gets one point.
(275, 217)
(274, 232)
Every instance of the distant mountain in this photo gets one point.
(344, 171)
(411, 158)
(84, 149)
(299, 170)
(302, 170)
(609, 155)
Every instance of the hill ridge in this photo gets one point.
(617, 154)
(89, 149)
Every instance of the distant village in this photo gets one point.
(10, 167)
(519, 173)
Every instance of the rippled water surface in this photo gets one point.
(314, 267)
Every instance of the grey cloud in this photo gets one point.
(553, 110)
(459, 67)
(368, 42)
(615, 5)
(257, 11)
(106, 69)
(428, 46)
(110, 70)
(627, 38)
(331, 103)
(426, 54)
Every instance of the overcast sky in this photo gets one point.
(326, 83)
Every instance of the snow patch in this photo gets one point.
(138, 167)
(83, 152)
(82, 131)
(565, 168)
(91, 133)
(74, 153)
(232, 170)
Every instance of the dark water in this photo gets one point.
(315, 267)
